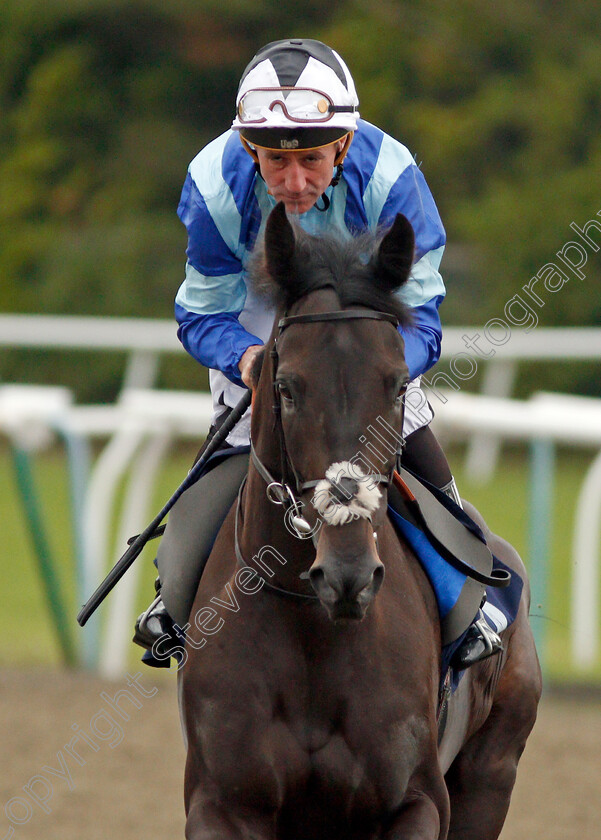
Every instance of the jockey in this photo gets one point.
(297, 138)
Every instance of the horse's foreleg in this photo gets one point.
(420, 819)
(209, 821)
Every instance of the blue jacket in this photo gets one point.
(224, 205)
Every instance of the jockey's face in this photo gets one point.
(298, 178)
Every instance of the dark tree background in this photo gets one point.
(105, 102)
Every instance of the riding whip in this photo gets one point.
(136, 546)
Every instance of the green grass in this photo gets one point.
(27, 632)
(25, 624)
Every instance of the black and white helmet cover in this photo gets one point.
(296, 94)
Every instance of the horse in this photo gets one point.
(309, 694)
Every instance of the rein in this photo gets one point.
(244, 565)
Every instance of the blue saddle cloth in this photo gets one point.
(447, 582)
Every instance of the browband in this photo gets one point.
(342, 315)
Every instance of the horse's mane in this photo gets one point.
(347, 266)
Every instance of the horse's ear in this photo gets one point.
(395, 254)
(279, 244)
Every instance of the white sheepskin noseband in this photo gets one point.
(346, 493)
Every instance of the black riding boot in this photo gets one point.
(154, 623)
(193, 524)
(424, 456)
(480, 642)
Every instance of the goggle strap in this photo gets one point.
(252, 152)
(342, 154)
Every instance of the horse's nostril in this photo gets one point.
(317, 578)
(326, 589)
(378, 577)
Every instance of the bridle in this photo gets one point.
(292, 485)
(288, 490)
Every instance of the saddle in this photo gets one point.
(461, 569)
(451, 548)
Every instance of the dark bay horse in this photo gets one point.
(310, 692)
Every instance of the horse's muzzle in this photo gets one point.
(347, 572)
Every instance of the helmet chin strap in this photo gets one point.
(333, 183)
(338, 163)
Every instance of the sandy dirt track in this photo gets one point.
(125, 780)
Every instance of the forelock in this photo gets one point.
(346, 265)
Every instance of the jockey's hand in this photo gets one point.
(246, 363)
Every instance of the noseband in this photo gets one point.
(282, 492)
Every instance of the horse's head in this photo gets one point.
(338, 374)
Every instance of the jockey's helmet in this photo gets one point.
(296, 95)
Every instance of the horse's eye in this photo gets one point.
(402, 390)
(284, 391)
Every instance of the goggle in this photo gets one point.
(299, 105)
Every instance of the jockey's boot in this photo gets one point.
(153, 623)
(480, 641)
